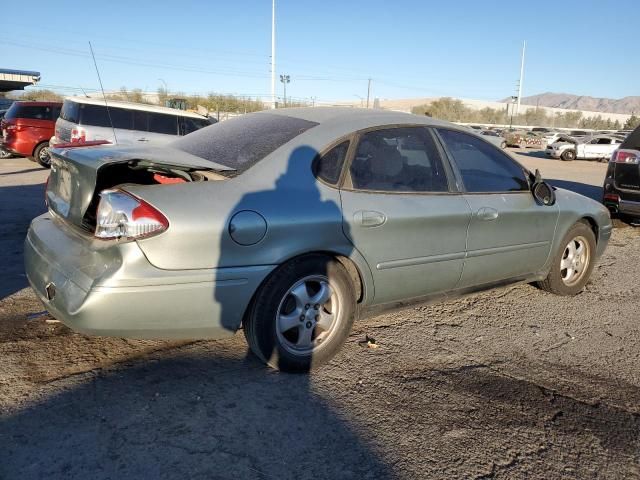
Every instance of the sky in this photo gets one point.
(329, 48)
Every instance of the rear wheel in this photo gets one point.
(302, 314)
(568, 155)
(573, 264)
(503, 145)
(42, 155)
(5, 153)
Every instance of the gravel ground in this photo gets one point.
(513, 383)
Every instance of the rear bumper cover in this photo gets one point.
(112, 290)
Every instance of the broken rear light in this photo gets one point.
(78, 135)
(122, 215)
(626, 156)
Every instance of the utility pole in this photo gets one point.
(524, 45)
(368, 92)
(273, 53)
(285, 79)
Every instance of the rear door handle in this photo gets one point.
(143, 140)
(369, 218)
(487, 213)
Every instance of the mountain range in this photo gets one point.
(626, 105)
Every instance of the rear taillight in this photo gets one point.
(78, 135)
(612, 197)
(121, 215)
(626, 156)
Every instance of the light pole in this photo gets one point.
(285, 79)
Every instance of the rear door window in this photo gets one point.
(32, 112)
(141, 120)
(483, 167)
(162, 123)
(97, 116)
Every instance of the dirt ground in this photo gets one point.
(512, 383)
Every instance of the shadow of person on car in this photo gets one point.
(302, 310)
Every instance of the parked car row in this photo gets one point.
(30, 128)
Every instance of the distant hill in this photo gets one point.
(626, 105)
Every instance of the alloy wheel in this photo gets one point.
(575, 261)
(307, 315)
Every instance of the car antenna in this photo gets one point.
(85, 93)
(115, 139)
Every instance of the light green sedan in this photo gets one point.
(293, 224)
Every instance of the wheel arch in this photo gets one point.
(33, 152)
(351, 266)
(592, 224)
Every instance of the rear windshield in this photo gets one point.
(21, 110)
(70, 111)
(241, 142)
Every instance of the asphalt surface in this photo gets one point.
(512, 383)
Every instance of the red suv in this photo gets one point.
(27, 127)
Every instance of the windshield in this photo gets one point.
(241, 142)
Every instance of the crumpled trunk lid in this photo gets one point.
(78, 173)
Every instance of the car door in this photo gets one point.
(403, 213)
(510, 234)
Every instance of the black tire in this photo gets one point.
(42, 156)
(568, 155)
(260, 324)
(554, 282)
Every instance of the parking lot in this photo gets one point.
(511, 383)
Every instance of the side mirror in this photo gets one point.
(543, 193)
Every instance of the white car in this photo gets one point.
(85, 120)
(600, 147)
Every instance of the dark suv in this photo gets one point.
(622, 182)
(27, 127)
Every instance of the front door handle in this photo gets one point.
(143, 140)
(487, 213)
(369, 218)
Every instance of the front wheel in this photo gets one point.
(503, 145)
(573, 264)
(5, 153)
(302, 314)
(42, 155)
(568, 155)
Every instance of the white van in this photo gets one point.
(86, 119)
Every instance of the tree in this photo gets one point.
(632, 122)
(36, 95)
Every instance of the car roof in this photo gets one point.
(134, 106)
(360, 116)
